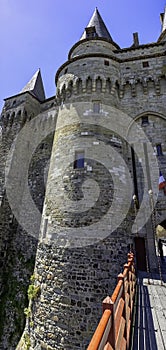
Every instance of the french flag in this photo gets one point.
(162, 182)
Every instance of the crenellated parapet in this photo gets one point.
(71, 85)
(147, 85)
(88, 84)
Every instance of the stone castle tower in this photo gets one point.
(102, 137)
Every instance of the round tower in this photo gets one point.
(85, 229)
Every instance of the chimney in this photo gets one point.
(135, 40)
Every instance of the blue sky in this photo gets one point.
(39, 33)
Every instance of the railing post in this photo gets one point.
(108, 304)
(130, 279)
(123, 279)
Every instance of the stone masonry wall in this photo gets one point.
(17, 246)
(73, 283)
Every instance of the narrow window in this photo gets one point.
(106, 62)
(65, 70)
(135, 177)
(96, 107)
(159, 149)
(79, 159)
(145, 120)
(145, 64)
(45, 227)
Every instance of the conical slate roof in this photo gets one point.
(162, 36)
(97, 22)
(35, 86)
(163, 20)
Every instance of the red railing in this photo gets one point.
(113, 331)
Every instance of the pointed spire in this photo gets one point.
(98, 24)
(163, 20)
(35, 86)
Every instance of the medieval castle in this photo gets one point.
(70, 165)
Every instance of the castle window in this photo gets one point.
(79, 159)
(106, 62)
(145, 120)
(96, 106)
(65, 70)
(145, 64)
(42, 146)
(91, 32)
(159, 149)
(14, 102)
(45, 227)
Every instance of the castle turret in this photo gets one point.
(17, 245)
(92, 66)
(24, 105)
(81, 249)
